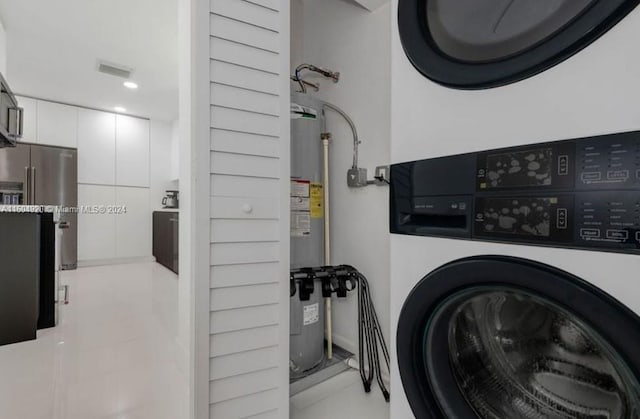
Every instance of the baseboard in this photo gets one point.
(115, 261)
(352, 346)
(345, 343)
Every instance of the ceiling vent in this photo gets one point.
(114, 69)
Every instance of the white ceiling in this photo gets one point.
(54, 46)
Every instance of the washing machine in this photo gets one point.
(515, 205)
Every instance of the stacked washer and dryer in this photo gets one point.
(515, 209)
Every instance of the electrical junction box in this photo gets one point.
(357, 178)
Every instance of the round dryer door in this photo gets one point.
(474, 44)
(508, 338)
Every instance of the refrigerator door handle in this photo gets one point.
(20, 122)
(33, 186)
(26, 188)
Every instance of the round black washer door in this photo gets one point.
(476, 44)
(497, 337)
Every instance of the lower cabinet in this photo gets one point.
(165, 239)
(96, 228)
(114, 223)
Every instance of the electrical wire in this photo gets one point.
(297, 76)
(371, 340)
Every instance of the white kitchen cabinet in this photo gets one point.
(30, 122)
(96, 147)
(96, 225)
(132, 151)
(57, 124)
(133, 227)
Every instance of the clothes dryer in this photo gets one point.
(487, 323)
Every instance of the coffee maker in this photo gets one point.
(171, 200)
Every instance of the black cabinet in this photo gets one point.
(165, 239)
(20, 259)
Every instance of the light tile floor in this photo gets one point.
(113, 355)
(341, 397)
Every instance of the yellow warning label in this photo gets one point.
(316, 194)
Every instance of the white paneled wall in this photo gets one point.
(113, 171)
(249, 218)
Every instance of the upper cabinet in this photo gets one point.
(96, 147)
(112, 149)
(30, 128)
(132, 151)
(57, 124)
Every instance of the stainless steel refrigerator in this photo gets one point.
(32, 174)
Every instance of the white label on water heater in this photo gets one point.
(299, 203)
(300, 188)
(300, 224)
(311, 314)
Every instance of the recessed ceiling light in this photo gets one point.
(120, 109)
(131, 85)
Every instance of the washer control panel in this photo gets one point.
(580, 193)
(610, 164)
(608, 218)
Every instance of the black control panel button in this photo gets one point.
(617, 234)
(563, 165)
(588, 177)
(589, 233)
(562, 218)
(622, 175)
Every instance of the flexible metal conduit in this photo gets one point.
(346, 117)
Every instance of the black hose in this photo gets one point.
(371, 340)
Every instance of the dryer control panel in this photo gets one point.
(581, 193)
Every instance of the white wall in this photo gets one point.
(175, 150)
(3, 50)
(161, 161)
(349, 39)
